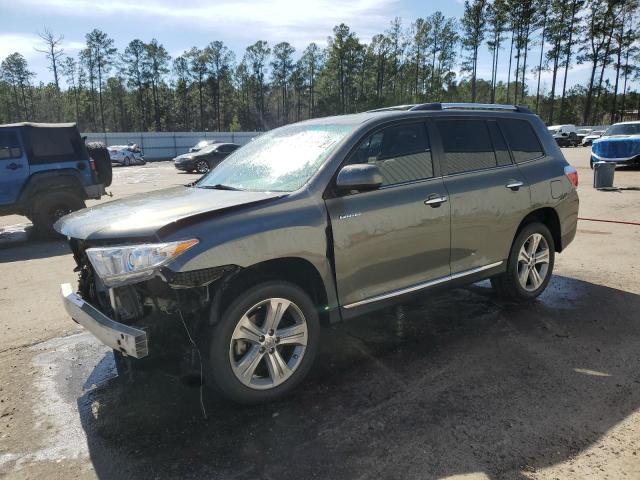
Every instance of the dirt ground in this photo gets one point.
(459, 385)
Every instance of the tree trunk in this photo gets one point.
(544, 31)
(509, 74)
(624, 85)
(524, 65)
(618, 66)
(568, 59)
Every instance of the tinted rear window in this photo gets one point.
(467, 145)
(51, 145)
(522, 140)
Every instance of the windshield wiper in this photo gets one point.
(219, 186)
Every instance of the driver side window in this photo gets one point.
(401, 153)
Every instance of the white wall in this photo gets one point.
(164, 145)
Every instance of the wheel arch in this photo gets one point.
(295, 270)
(549, 217)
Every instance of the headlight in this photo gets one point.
(133, 263)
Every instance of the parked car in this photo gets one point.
(204, 159)
(620, 144)
(317, 222)
(565, 135)
(126, 155)
(594, 135)
(200, 145)
(583, 132)
(48, 172)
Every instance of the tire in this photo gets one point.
(100, 155)
(230, 345)
(202, 167)
(510, 283)
(48, 208)
(591, 163)
(127, 161)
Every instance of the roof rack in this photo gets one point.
(469, 106)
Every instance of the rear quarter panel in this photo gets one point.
(549, 185)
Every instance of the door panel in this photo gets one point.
(389, 239)
(485, 214)
(14, 167)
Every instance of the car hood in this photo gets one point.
(143, 215)
(618, 146)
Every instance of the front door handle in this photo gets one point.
(515, 186)
(14, 166)
(435, 201)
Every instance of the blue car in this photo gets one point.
(620, 144)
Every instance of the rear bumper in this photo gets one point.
(124, 338)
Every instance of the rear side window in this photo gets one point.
(9, 146)
(499, 145)
(401, 153)
(467, 145)
(522, 140)
(51, 145)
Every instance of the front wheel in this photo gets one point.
(127, 161)
(264, 344)
(529, 266)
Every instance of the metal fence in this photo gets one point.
(164, 145)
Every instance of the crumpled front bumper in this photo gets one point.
(124, 338)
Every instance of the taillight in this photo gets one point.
(572, 175)
(92, 162)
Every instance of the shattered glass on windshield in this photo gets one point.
(281, 160)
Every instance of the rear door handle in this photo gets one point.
(14, 166)
(514, 185)
(435, 201)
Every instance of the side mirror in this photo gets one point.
(362, 177)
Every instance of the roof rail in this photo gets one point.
(394, 108)
(470, 106)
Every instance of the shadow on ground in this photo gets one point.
(459, 383)
(18, 242)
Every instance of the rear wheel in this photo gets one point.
(202, 166)
(265, 343)
(127, 161)
(529, 266)
(48, 208)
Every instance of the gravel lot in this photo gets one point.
(458, 385)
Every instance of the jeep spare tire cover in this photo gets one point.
(100, 155)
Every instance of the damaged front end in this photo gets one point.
(160, 315)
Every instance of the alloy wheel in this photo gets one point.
(202, 167)
(533, 262)
(268, 343)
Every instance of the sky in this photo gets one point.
(238, 23)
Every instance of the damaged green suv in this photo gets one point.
(317, 222)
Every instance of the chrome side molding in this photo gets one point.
(420, 286)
